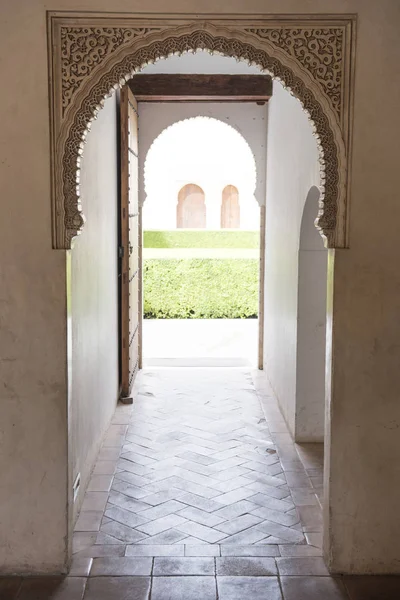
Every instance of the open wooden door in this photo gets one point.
(130, 243)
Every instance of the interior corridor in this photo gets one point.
(194, 463)
(200, 480)
(200, 493)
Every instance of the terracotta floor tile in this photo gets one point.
(302, 566)
(118, 588)
(183, 566)
(254, 588)
(121, 566)
(184, 588)
(248, 567)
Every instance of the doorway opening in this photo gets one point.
(175, 456)
(201, 241)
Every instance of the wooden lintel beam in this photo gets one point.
(204, 88)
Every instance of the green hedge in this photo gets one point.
(200, 288)
(186, 238)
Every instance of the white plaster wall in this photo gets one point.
(33, 375)
(363, 441)
(94, 299)
(248, 119)
(311, 321)
(292, 168)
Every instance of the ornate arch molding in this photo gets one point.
(91, 55)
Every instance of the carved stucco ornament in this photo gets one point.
(82, 49)
(90, 61)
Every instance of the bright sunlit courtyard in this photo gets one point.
(201, 247)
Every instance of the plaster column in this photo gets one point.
(362, 468)
(311, 320)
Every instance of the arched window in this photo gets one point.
(230, 208)
(191, 209)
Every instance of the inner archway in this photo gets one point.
(213, 151)
(80, 101)
(206, 150)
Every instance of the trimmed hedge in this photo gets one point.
(200, 288)
(195, 238)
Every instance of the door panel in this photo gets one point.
(130, 232)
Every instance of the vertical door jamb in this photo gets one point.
(140, 275)
(261, 293)
(124, 216)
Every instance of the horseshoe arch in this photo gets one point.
(91, 56)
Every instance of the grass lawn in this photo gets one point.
(201, 253)
(200, 238)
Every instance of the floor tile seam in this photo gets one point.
(284, 482)
(346, 589)
(280, 585)
(227, 535)
(199, 522)
(213, 481)
(151, 576)
(163, 530)
(216, 585)
(219, 530)
(17, 595)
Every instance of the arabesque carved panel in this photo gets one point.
(320, 51)
(82, 49)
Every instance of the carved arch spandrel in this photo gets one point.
(73, 113)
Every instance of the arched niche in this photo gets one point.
(191, 208)
(311, 327)
(230, 208)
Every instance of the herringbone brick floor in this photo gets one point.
(200, 494)
(193, 468)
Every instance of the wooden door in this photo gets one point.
(191, 209)
(230, 208)
(130, 242)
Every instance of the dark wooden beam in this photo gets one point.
(204, 88)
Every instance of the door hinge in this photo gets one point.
(121, 252)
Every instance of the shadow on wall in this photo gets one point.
(311, 327)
